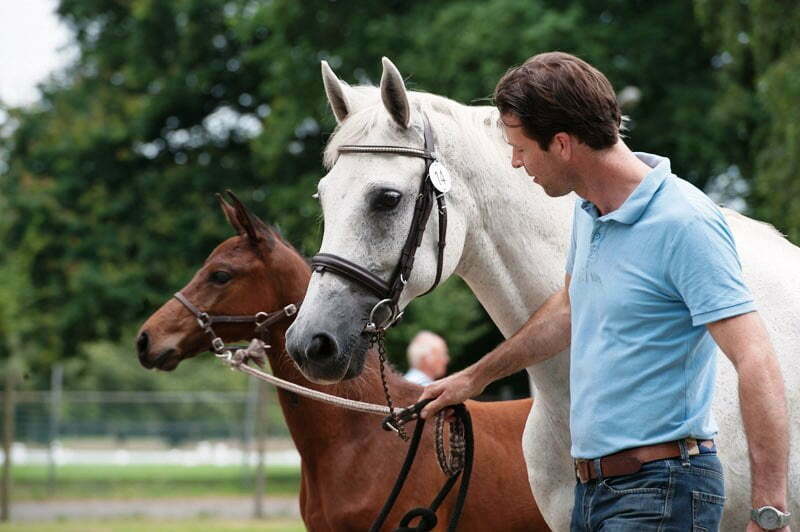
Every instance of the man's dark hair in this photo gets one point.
(554, 92)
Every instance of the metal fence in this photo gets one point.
(62, 427)
(94, 426)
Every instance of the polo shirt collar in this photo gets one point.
(633, 207)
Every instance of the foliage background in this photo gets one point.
(106, 185)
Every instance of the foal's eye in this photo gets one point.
(386, 200)
(219, 277)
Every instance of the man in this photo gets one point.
(427, 358)
(652, 282)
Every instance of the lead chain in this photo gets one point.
(379, 339)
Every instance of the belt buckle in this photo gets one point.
(582, 470)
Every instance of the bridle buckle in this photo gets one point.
(394, 316)
(217, 344)
(261, 318)
(395, 421)
(389, 424)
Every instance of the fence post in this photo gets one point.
(260, 432)
(8, 438)
(56, 387)
(249, 429)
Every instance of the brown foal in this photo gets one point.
(349, 463)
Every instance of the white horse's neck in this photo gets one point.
(515, 250)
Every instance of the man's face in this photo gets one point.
(434, 364)
(547, 168)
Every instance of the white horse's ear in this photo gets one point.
(334, 90)
(394, 95)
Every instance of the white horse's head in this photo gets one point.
(367, 202)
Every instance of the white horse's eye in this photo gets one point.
(386, 200)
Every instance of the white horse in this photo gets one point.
(508, 241)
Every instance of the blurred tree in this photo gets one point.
(757, 66)
(109, 179)
(650, 48)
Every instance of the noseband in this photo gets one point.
(262, 321)
(435, 183)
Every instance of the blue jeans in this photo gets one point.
(677, 494)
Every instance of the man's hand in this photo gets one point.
(544, 335)
(451, 390)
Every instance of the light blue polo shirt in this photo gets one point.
(646, 279)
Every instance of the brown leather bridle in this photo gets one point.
(262, 321)
(389, 292)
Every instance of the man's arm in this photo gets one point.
(545, 334)
(762, 398)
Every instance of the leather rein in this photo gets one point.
(435, 183)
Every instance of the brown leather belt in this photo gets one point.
(631, 460)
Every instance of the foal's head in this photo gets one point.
(252, 272)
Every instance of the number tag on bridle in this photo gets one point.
(440, 177)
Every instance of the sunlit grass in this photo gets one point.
(31, 482)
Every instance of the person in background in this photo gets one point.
(427, 358)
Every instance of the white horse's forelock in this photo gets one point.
(477, 126)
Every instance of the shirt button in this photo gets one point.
(595, 236)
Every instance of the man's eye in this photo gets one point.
(220, 277)
(387, 200)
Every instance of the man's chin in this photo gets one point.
(554, 192)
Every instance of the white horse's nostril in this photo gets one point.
(321, 347)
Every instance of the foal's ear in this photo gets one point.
(394, 94)
(335, 91)
(230, 214)
(246, 223)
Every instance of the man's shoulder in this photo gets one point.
(417, 377)
(680, 204)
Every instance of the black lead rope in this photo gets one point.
(427, 516)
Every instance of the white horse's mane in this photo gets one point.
(477, 126)
(771, 229)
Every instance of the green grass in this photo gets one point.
(140, 525)
(30, 482)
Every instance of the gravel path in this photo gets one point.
(178, 508)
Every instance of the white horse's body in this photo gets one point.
(508, 241)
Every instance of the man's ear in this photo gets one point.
(562, 145)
